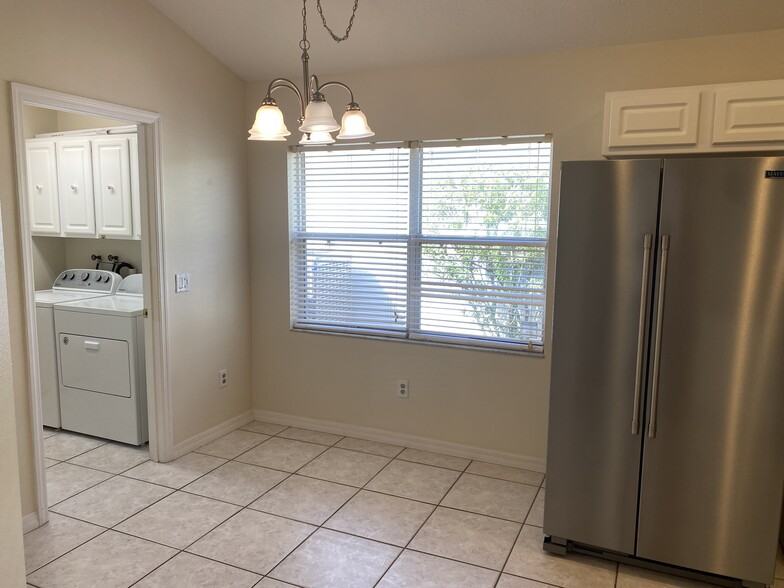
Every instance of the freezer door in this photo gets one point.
(607, 208)
(714, 471)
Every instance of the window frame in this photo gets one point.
(414, 241)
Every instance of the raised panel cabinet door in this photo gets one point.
(43, 200)
(75, 179)
(112, 178)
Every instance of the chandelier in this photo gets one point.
(316, 120)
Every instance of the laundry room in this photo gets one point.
(84, 211)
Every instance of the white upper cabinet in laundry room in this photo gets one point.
(133, 145)
(44, 206)
(112, 183)
(75, 179)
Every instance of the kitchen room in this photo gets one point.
(488, 401)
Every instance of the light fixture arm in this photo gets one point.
(342, 85)
(286, 83)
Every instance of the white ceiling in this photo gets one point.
(258, 39)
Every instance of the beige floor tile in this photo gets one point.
(536, 516)
(505, 473)
(252, 540)
(420, 570)
(381, 517)
(334, 560)
(529, 560)
(238, 483)
(310, 436)
(113, 457)
(345, 467)
(435, 459)
(50, 462)
(64, 445)
(111, 560)
(282, 454)
(49, 432)
(632, 577)
(232, 444)
(263, 428)
(305, 499)
(64, 480)
(270, 583)
(496, 498)
(112, 501)
(60, 535)
(467, 537)
(192, 571)
(414, 481)
(383, 449)
(508, 581)
(178, 520)
(177, 473)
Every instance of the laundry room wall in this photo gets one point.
(126, 52)
(493, 401)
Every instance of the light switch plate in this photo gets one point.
(183, 283)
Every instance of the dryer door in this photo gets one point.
(95, 364)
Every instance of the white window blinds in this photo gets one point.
(431, 241)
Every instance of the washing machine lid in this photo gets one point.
(48, 298)
(117, 305)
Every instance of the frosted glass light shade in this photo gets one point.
(269, 125)
(354, 125)
(317, 138)
(319, 117)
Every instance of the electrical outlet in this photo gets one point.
(182, 283)
(223, 377)
(402, 389)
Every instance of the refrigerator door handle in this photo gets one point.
(646, 270)
(665, 250)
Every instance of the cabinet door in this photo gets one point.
(133, 145)
(42, 188)
(112, 177)
(75, 179)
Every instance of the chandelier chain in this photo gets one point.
(348, 28)
(304, 44)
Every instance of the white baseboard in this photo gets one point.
(424, 443)
(211, 434)
(30, 522)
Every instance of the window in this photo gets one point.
(432, 241)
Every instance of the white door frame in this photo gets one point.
(153, 260)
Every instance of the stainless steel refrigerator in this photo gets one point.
(666, 427)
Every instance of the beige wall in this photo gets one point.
(482, 399)
(126, 52)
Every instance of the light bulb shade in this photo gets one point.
(318, 118)
(317, 138)
(269, 125)
(354, 125)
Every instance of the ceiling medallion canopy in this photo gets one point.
(316, 120)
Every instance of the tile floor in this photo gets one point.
(268, 506)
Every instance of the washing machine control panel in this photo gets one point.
(88, 280)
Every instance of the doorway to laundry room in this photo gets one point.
(89, 207)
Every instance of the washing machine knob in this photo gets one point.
(72, 276)
(85, 276)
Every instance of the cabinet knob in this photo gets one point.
(39, 187)
(110, 188)
(73, 187)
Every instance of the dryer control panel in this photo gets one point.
(88, 280)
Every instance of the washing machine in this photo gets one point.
(100, 355)
(71, 285)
